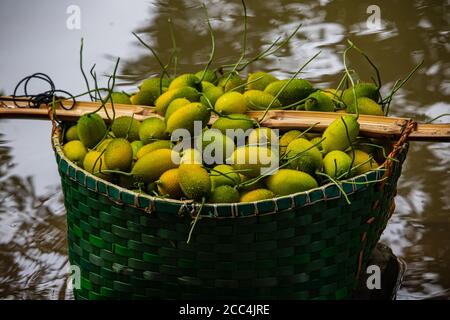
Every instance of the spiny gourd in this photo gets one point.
(119, 154)
(336, 163)
(311, 135)
(302, 155)
(231, 83)
(194, 181)
(253, 160)
(260, 100)
(211, 95)
(362, 89)
(288, 181)
(231, 102)
(174, 106)
(152, 165)
(152, 129)
(335, 96)
(94, 162)
(290, 92)
(144, 97)
(257, 195)
(91, 129)
(185, 80)
(319, 101)
(126, 127)
(149, 90)
(72, 133)
(215, 146)
(210, 76)
(187, 116)
(191, 156)
(365, 106)
(75, 151)
(154, 84)
(136, 146)
(102, 145)
(332, 93)
(286, 138)
(120, 97)
(233, 122)
(163, 101)
(362, 162)
(223, 174)
(158, 144)
(224, 194)
(335, 135)
(259, 80)
(169, 184)
(206, 85)
(262, 136)
(317, 141)
(248, 185)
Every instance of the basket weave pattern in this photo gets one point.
(311, 245)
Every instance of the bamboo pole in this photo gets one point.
(370, 126)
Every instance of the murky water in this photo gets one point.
(33, 261)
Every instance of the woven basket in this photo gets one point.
(309, 245)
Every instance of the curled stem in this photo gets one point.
(163, 67)
(438, 117)
(108, 96)
(213, 45)
(82, 70)
(351, 146)
(379, 147)
(244, 45)
(128, 174)
(349, 77)
(195, 220)
(222, 174)
(377, 71)
(267, 51)
(337, 184)
(174, 55)
(398, 85)
(246, 83)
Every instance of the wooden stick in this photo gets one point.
(370, 126)
(8, 109)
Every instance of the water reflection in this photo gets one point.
(32, 222)
(32, 237)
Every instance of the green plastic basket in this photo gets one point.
(309, 245)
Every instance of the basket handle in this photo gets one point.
(408, 128)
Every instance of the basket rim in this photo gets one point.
(357, 183)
